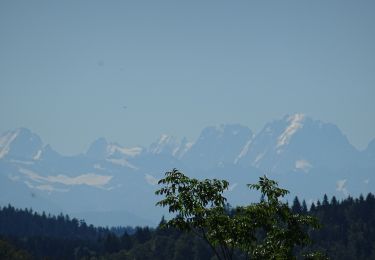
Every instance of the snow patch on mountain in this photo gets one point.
(13, 177)
(122, 162)
(5, 142)
(295, 123)
(89, 179)
(151, 179)
(45, 187)
(220, 164)
(170, 146)
(101, 149)
(244, 150)
(130, 152)
(97, 166)
(49, 188)
(303, 165)
(183, 149)
(341, 187)
(37, 155)
(21, 162)
(158, 147)
(258, 158)
(166, 143)
(232, 187)
(164, 139)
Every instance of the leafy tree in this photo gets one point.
(265, 230)
(198, 204)
(8, 251)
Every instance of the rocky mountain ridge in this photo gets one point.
(307, 156)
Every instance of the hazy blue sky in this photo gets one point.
(67, 68)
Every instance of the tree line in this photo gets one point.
(347, 232)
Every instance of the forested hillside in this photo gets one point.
(348, 227)
(348, 232)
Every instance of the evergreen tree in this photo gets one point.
(126, 241)
(304, 207)
(296, 207)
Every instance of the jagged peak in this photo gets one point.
(21, 142)
(165, 143)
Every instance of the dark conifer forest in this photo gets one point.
(347, 232)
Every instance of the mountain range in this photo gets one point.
(111, 184)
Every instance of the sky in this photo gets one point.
(73, 71)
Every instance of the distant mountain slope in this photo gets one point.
(307, 156)
(299, 143)
(217, 146)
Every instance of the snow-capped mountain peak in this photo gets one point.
(298, 142)
(20, 143)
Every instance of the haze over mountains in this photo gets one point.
(111, 184)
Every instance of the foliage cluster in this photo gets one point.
(264, 230)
